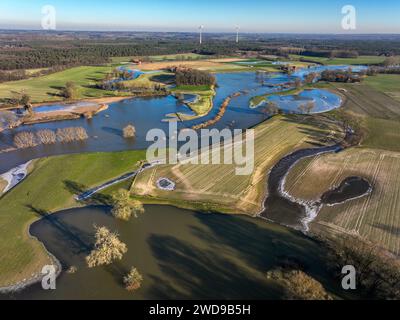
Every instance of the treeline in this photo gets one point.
(93, 53)
(193, 77)
(13, 75)
(378, 272)
(331, 53)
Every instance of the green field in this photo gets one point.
(47, 88)
(147, 80)
(204, 103)
(366, 60)
(387, 83)
(377, 113)
(49, 188)
(168, 57)
(218, 187)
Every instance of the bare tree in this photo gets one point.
(124, 206)
(71, 134)
(310, 106)
(7, 119)
(129, 131)
(107, 249)
(25, 139)
(46, 136)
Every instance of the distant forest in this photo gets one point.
(39, 49)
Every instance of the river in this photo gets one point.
(182, 254)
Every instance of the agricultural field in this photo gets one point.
(218, 187)
(47, 88)
(387, 83)
(361, 60)
(50, 187)
(168, 57)
(211, 65)
(377, 113)
(374, 217)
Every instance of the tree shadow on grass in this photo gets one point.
(317, 137)
(76, 188)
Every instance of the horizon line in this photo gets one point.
(194, 32)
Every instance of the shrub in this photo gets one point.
(133, 280)
(298, 285)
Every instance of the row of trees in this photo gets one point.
(28, 139)
(340, 76)
(20, 74)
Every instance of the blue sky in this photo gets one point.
(307, 16)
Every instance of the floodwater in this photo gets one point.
(278, 208)
(105, 129)
(181, 254)
(322, 101)
(350, 188)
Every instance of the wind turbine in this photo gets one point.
(237, 34)
(201, 33)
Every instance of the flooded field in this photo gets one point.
(181, 254)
